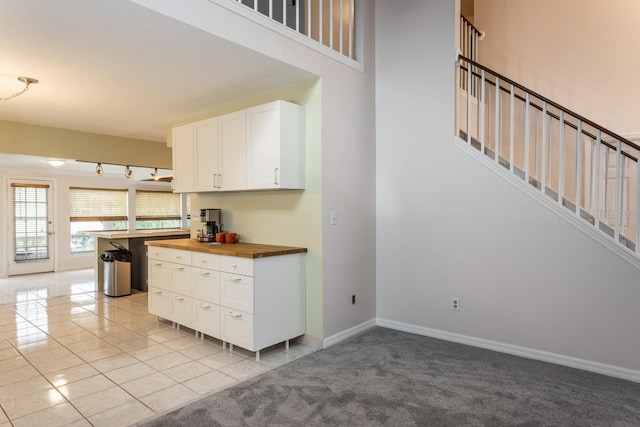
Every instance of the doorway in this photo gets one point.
(31, 230)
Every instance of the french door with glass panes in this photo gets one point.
(31, 226)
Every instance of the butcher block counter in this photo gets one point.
(243, 250)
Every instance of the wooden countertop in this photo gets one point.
(244, 250)
(130, 234)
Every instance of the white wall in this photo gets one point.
(347, 129)
(63, 258)
(579, 53)
(447, 226)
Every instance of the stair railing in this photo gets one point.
(328, 22)
(585, 168)
(470, 38)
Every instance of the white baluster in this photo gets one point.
(526, 137)
(543, 184)
(320, 23)
(298, 16)
(597, 183)
(578, 167)
(331, 24)
(468, 103)
(308, 26)
(637, 213)
(351, 16)
(561, 169)
(512, 127)
(481, 105)
(618, 201)
(341, 24)
(497, 130)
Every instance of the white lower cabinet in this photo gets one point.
(250, 303)
(159, 302)
(206, 317)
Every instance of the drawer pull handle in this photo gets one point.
(180, 268)
(235, 279)
(159, 264)
(234, 265)
(237, 316)
(206, 273)
(158, 292)
(204, 261)
(205, 306)
(180, 298)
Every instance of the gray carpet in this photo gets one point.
(389, 378)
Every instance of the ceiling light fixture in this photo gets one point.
(99, 169)
(127, 172)
(27, 82)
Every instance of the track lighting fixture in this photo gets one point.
(127, 172)
(99, 169)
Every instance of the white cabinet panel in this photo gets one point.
(180, 279)
(275, 146)
(182, 158)
(206, 285)
(232, 133)
(181, 309)
(159, 273)
(204, 260)
(159, 302)
(206, 317)
(206, 153)
(237, 328)
(237, 292)
(238, 265)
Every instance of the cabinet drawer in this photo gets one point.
(237, 292)
(206, 285)
(202, 260)
(180, 279)
(159, 302)
(159, 273)
(206, 318)
(170, 255)
(231, 264)
(181, 309)
(237, 328)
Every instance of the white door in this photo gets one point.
(31, 228)
(232, 137)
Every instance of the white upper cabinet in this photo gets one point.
(275, 149)
(183, 159)
(232, 134)
(254, 149)
(206, 155)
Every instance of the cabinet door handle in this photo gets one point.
(158, 292)
(219, 180)
(205, 306)
(236, 315)
(180, 298)
(180, 268)
(275, 176)
(206, 273)
(235, 279)
(158, 264)
(214, 180)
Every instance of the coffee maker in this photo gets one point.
(212, 223)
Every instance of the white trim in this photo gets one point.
(312, 341)
(290, 33)
(348, 333)
(563, 213)
(530, 353)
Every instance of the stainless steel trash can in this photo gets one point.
(117, 271)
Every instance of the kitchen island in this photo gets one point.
(244, 294)
(133, 240)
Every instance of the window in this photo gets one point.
(95, 209)
(157, 209)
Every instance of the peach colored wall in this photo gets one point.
(580, 53)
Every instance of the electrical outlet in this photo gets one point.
(353, 299)
(455, 303)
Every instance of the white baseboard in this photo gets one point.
(348, 333)
(312, 341)
(530, 353)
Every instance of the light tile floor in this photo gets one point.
(71, 356)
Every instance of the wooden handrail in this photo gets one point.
(554, 104)
(469, 24)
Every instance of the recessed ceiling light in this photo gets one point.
(55, 162)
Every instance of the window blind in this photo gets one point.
(97, 204)
(157, 205)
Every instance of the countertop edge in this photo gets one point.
(243, 250)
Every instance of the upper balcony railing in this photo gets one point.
(330, 23)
